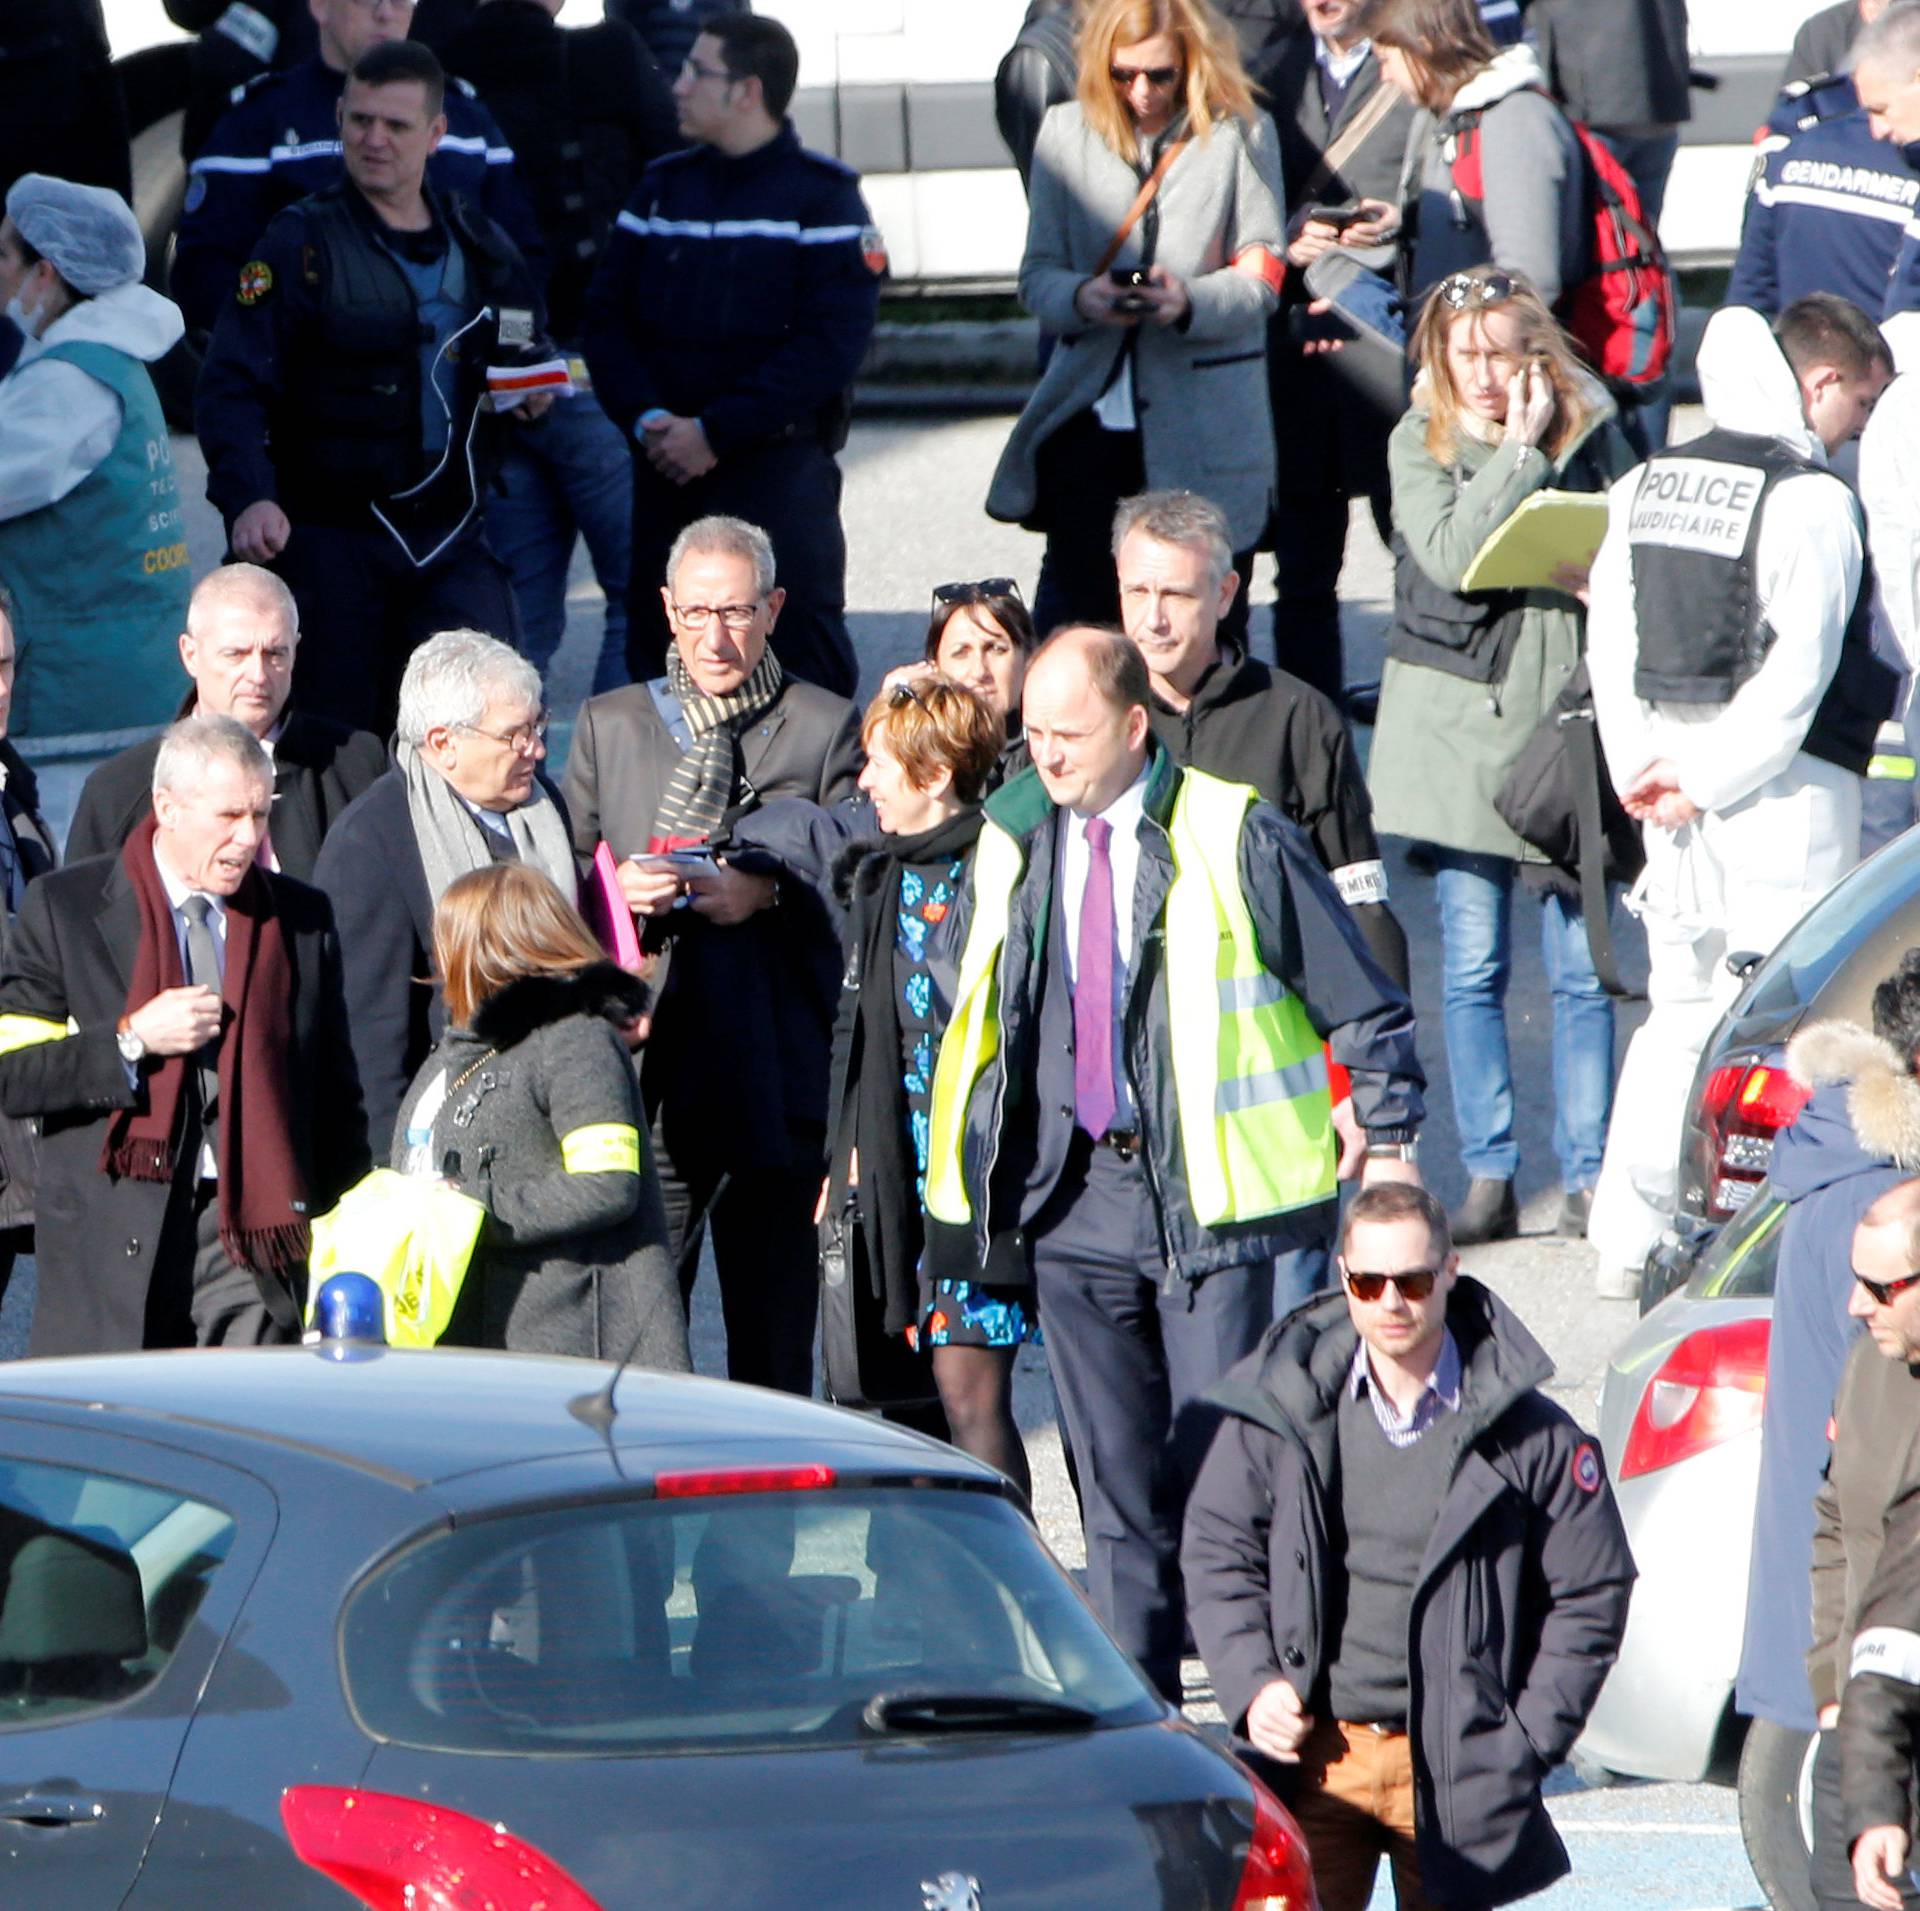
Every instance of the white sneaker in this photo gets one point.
(1617, 1283)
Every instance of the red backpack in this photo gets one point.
(1621, 313)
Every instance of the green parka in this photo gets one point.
(1443, 744)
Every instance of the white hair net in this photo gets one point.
(88, 233)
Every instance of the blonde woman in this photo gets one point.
(1502, 408)
(1157, 379)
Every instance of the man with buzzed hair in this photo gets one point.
(1865, 1545)
(243, 630)
(173, 1016)
(1130, 1110)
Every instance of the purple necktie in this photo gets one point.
(1093, 1099)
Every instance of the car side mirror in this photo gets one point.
(1742, 963)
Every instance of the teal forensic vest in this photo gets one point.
(100, 579)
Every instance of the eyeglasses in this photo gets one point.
(1158, 77)
(1462, 289)
(963, 592)
(523, 738)
(1885, 1293)
(735, 617)
(692, 66)
(904, 693)
(1414, 1285)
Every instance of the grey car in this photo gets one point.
(307, 1626)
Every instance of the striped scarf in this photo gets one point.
(701, 789)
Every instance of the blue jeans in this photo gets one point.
(567, 473)
(1476, 929)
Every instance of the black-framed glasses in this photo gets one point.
(523, 737)
(1414, 1285)
(1462, 289)
(971, 591)
(735, 617)
(1887, 1292)
(1155, 76)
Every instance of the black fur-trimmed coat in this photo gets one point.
(573, 1258)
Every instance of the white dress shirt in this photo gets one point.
(1123, 851)
(177, 894)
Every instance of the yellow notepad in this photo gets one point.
(1552, 528)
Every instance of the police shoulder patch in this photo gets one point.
(1586, 1467)
(256, 281)
(873, 249)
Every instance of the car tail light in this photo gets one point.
(1277, 1876)
(1710, 1388)
(404, 1854)
(706, 1481)
(1743, 1107)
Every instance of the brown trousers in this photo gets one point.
(1353, 1798)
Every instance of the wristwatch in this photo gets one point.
(132, 1049)
(1383, 1150)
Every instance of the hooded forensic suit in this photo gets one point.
(1727, 632)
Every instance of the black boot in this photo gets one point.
(1489, 1213)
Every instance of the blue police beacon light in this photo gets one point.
(349, 1307)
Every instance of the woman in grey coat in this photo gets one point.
(1160, 383)
(531, 1106)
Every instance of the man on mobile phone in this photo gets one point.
(1341, 138)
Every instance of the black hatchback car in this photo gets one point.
(301, 1627)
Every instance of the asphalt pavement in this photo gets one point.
(914, 519)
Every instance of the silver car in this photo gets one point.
(1680, 1426)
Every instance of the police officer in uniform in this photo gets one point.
(723, 332)
(342, 407)
(1130, 1108)
(1738, 695)
(280, 141)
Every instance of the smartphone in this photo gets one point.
(1130, 279)
(1340, 217)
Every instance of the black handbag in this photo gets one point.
(1560, 798)
(861, 1364)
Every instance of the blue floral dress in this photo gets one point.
(958, 1313)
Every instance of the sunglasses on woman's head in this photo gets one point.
(1414, 1285)
(1462, 289)
(904, 693)
(1156, 76)
(971, 593)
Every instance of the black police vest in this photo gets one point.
(1693, 533)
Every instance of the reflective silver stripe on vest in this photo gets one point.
(1277, 1084)
(1250, 992)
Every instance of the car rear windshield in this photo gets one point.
(823, 1617)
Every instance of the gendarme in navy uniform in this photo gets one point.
(733, 308)
(280, 141)
(344, 405)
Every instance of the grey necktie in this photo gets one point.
(203, 969)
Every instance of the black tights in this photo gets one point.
(976, 1389)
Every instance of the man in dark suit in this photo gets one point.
(466, 790)
(26, 851)
(1332, 409)
(173, 1016)
(238, 647)
(735, 1073)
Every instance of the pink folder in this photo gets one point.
(607, 912)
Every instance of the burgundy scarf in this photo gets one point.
(263, 1194)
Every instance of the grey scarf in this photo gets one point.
(700, 791)
(452, 842)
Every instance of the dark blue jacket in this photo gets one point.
(1804, 103)
(1826, 214)
(741, 292)
(280, 141)
(1832, 1165)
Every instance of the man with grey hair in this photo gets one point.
(677, 775)
(238, 648)
(466, 790)
(91, 540)
(173, 1017)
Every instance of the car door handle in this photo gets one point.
(51, 1814)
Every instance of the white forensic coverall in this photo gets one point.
(1777, 828)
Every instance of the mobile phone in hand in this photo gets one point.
(1339, 217)
(1130, 281)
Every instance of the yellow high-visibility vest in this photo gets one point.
(1249, 1070)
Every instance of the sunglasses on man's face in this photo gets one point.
(1885, 1293)
(1462, 289)
(1414, 1285)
